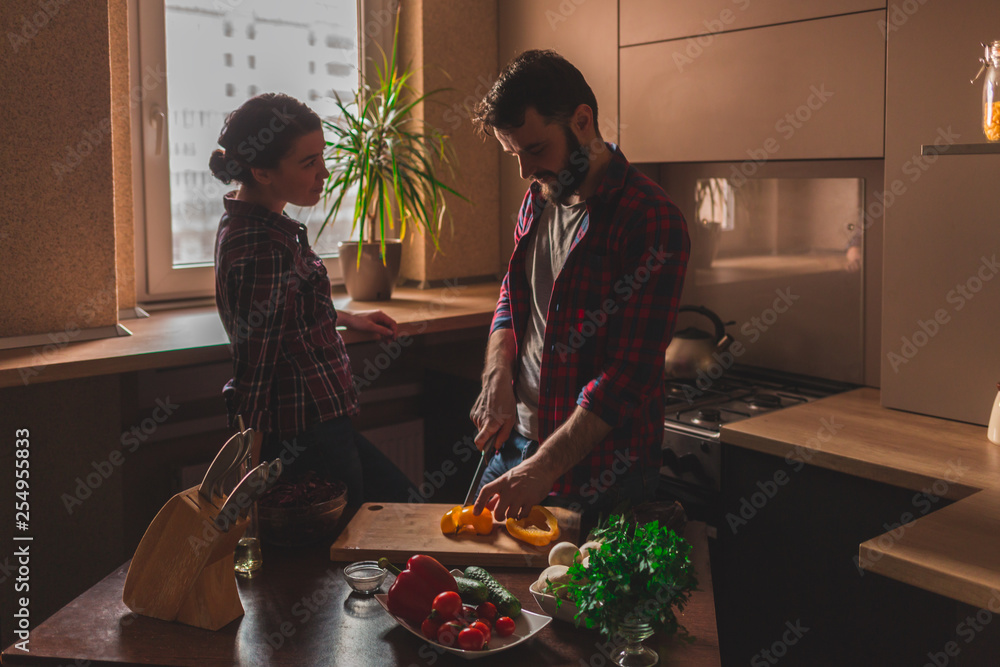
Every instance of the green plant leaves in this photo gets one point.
(640, 574)
(389, 157)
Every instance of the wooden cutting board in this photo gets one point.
(400, 530)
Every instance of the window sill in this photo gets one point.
(185, 336)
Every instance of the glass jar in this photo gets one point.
(991, 90)
(248, 558)
(993, 429)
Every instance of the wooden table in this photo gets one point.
(300, 611)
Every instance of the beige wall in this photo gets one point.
(452, 44)
(58, 272)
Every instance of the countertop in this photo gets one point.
(195, 335)
(300, 611)
(953, 551)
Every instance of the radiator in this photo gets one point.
(403, 444)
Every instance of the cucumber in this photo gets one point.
(472, 591)
(505, 602)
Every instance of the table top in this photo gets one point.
(300, 611)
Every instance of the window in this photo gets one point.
(217, 53)
(714, 202)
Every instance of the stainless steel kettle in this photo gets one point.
(692, 350)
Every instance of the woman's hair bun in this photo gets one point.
(217, 163)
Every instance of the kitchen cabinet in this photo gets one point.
(787, 555)
(807, 90)
(654, 20)
(940, 317)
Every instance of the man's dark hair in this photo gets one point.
(540, 79)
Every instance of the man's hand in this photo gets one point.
(514, 493)
(372, 321)
(494, 411)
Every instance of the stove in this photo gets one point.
(697, 409)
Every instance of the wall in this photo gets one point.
(452, 46)
(69, 137)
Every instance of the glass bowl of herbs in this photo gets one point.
(632, 585)
(302, 512)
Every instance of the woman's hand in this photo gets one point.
(372, 321)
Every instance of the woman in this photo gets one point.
(291, 375)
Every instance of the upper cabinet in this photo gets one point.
(805, 90)
(655, 20)
(940, 263)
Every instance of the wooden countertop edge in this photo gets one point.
(910, 568)
(874, 471)
(195, 335)
(948, 551)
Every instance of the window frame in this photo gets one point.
(156, 277)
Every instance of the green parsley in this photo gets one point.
(640, 573)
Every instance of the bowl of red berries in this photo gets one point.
(302, 512)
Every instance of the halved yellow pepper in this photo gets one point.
(462, 520)
(529, 529)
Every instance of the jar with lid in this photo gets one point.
(993, 429)
(991, 90)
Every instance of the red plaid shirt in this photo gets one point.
(290, 366)
(610, 317)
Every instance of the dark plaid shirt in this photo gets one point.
(290, 366)
(610, 318)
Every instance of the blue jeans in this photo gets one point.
(625, 489)
(335, 451)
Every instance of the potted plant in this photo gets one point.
(630, 585)
(391, 161)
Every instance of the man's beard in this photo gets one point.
(572, 174)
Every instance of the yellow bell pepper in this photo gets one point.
(530, 530)
(462, 520)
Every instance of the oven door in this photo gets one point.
(690, 474)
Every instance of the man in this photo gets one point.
(586, 310)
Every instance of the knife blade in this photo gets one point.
(246, 442)
(488, 450)
(224, 459)
(253, 485)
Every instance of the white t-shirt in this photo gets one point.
(546, 255)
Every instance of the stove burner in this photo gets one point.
(764, 401)
(707, 416)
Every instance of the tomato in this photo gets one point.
(484, 628)
(487, 611)
(447, 604)
(448, 633)
(471, 639)
(430, 627)
(505, 626)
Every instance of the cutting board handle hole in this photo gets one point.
(373, 508)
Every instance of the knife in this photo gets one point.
(253, 485)
(245, 444)
(221, 464)
(488, 452)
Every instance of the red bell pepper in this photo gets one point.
(413, 592)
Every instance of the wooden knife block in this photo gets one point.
(183, 568)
